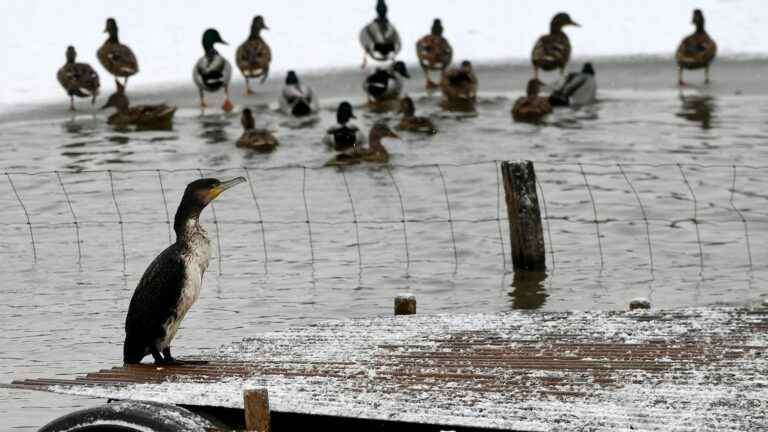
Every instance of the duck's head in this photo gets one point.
(466, 67)
(437, 27)
(588, 69)
(399, 68)
(258, 25)
(407, 106)
(291, 78)
(344, 113)
(381, 10)
(533, 88)
(698, 19)
(71, 54)
(378, 131)
(561, 20)
(198, 195)
(118, 99)
(111, 28)
(210, 37)
(246, 119)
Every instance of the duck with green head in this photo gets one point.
(552, 51)
(254, 55)
(344, 135)
(696, 51)
(297, 99)
(116, 57)
(434, 52)
(212, 72)
(78, 79)
(379, 38)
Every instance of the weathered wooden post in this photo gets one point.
(256, 404)
(405, 304)
(525, 230)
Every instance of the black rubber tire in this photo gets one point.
(130, 417)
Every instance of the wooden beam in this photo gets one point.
(525, 229)
(256, 404)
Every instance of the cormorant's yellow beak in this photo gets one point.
(221, 187)
(392, 135)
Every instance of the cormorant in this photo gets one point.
(172, 282)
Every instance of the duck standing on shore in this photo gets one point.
(379, 38)
(579, 88)
(158, 116)
(552, 51)
(212, 71)
(411, 122)
(385, 85)
(253, 56)
(258, 140)
(117, 58)
(374, 153)
(434, 52)
(459, 86)
(531, 107)
(78, 79)
(172, 282)
(297, 99)
(696, 51)
(343, 135)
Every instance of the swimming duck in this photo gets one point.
(212, 72)
(143, 116)
(172, 282)
(297, 99)
(696, 51)
(374, 153)
(260, 140)
(434, 52)
(78, 79)
(532, 107)
(344, 136)
(379, 38)
(385, 85)
(579, 88)
(553, 50)
(412, 122)
(459, 85)
(253, 56)
(117, 58)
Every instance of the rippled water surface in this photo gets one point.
(676, 181)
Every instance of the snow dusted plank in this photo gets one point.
(681, 370)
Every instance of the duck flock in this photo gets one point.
(383, 85)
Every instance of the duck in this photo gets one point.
(434, 52)
(459, 85)
(696, 51)
(297, 99)
(254, 55)
(374, 153)
(411, 122)
(212, 71)
(259, 140)
(144, 116)
(78, 79)
(344, 136)
(552, 51)
(116, 57)
(379, 38)
(385, 84)
(579, 88)
(172, 283)
(531, 107)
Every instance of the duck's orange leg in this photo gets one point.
(228, 106)
(71, 103)
(535, 72)
(202, 100)
(248, 90)
(680, 81)
(706, 75)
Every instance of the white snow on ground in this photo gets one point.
(310, 35)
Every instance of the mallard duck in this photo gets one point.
(579, 88)
(385, 85)
(532, 107)
(374, 153)
(297, 99)
(260, 140)
(434, 52)
(344, 136)
(144, 116)
(253, 56)
(212, 72)
(379, 38)
(552, 51)
(411, 122)
(78, 79)
(117, 58)
(459, 85)
(696, 51)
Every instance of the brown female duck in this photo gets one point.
(253, 56)
(259, 140)
(434, 52)
(158, 116)
(117, 58)
(459, 86)
(532, 107)
(374, 153)
(553, 50)
(411, 122)
(696, 51)
(78, 79)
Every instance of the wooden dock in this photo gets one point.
(688, 369)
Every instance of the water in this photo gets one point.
(64, 313)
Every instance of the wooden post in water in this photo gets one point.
(256, 404)
(525, 230)
(405, 304)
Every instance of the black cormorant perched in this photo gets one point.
(172, 282)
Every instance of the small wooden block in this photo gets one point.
(405, 304)
(256, 404)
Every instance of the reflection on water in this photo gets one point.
(528, 290)
(698, 109)
(214, 128)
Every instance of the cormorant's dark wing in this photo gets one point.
(156, 295)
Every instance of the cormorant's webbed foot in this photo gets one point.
(168, 358)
